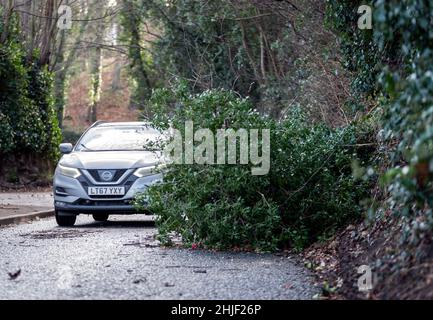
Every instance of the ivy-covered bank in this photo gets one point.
(29, 132)
(392, 68)
(393, 73)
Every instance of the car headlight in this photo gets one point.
(69, 172)
(148, 171)
(144, 172)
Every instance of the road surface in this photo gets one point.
(121, 259)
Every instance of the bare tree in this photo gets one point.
(96, 67)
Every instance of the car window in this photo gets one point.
(122, 138)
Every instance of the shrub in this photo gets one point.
(27, 119)
(6, 133)
(308, 193)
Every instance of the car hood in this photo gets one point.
(111, 159)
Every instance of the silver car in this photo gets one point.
(109, 165)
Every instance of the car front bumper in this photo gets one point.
(71, 196)
(95, 208)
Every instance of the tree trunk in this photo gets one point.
(137, 65)
(116, 83)
(47, 33)
(61, 71)
(59, 81)
(96, 73)
(6, 18)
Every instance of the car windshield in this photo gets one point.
(120, 138)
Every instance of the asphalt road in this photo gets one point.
(121, 259)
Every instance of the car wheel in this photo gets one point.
(65, 220)
(101, 217)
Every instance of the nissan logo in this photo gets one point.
(106, 175)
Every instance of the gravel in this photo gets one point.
(121, 259)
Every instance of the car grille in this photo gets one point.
(117, 175)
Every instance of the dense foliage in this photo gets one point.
(308, 193)
(27, 119)
(393, 63)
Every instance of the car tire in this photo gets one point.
(65, 220)
(100, 217)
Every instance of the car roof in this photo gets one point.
(120, 124)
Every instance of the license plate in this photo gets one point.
(106, 191)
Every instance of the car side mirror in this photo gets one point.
(66, 148)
